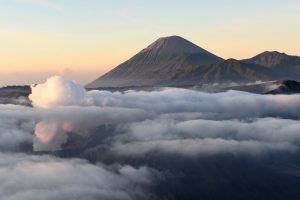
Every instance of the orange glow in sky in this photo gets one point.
(82, 40)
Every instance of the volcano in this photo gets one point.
(175, 61)
(158, 64)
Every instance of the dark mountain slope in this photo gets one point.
(286, 87)
(174, 61)
(157, 64)
(282, 65)
(228, 71)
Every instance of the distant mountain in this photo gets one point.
(157, 64)
(269, 87)
(228, 71)
(272, 59)
(15, 91)
(17, 95)
(286, 87)
(174, 61)
(281, 65)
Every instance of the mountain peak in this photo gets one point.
(172, 37)
(158, 64)
(174, 45)
(272, 53)
(232, 60)
(273, 58)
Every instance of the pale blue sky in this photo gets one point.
(93, 36)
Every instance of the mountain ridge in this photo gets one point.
(174, 60)
(157, 63)
(270, 58)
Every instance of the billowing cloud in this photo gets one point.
(15, 134)
(231, 104)
(48, 128)
(55, 124)
(207, 137)
(201, 144)
(24, 177)
(264, 129)
(62, 107)
(200, 147)
(57, 91)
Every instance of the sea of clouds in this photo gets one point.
(137, 132)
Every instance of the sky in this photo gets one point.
(83, 39)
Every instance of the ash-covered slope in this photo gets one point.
(228, 71)
(174, 61)
(272, 59)
(158, 64)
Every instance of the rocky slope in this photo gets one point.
(174, 61)
(158, 64)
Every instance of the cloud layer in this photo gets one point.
(24, 177)
(145, 144)
(169, 118)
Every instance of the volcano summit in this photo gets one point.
(175, 61)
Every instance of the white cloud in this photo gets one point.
(63, 106)
(24, 177)
(57, 92)
(200, 147)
